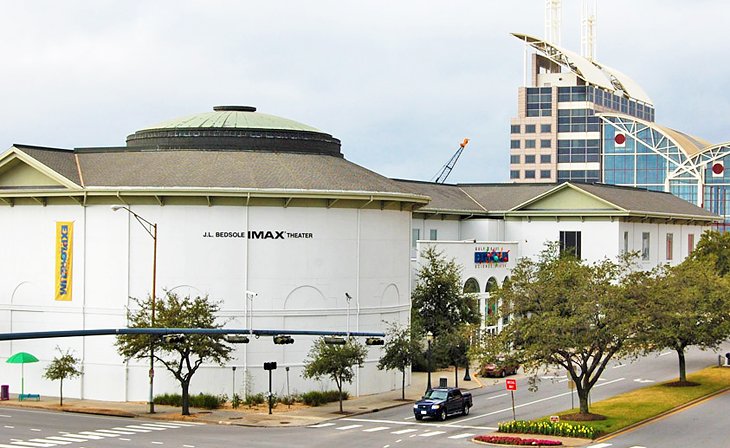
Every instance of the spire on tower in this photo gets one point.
(588, 24)
(552, 21)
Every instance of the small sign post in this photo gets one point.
(511, 386)
(270, 366)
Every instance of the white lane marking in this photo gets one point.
(157, 443)
(321, 425)
(461, 436)
(10, 427)
(158, 425)
(98, 434)
(345, 428)
(409, 418)
(422, 423)
(497, 396)
(84, 436)
(641, 380)
(618, 366)
(6, 416)
(128, 440)
(565, 394)
(165, 425)
(2, 445)
(34, 429)
(404, 431)
(376, 429)
(33, 444)
(637, 446)
(665, 353)
(55, 442)
(129, 428)
(113, 431)
(188, 446)
(66, 439)
(431, 434)
(145, 426)
(600, 445)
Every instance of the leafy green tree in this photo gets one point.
(334, 361)
(181, 358)
(714, 244)
(399, 352)
(691, 307)
(439, 301)
(62, 367)
(571, 314)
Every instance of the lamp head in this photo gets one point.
(117, 207)
(348, 296)
(251, 294)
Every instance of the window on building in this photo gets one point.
(546, 158)
(545, 174)
(529, 174)
(670, 246)
(529, 143)
(570, 242)
(690, 243)
(546, 128)
(514, 144)
(514, 159)
(645, 255)
(471, 286)
(529, 129)
(415, 236)
(514, 129)
(529, 159)
(626, 242)
(545, 143)
(433, 234)
(514, 174)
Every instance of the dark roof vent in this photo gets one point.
(234, 108)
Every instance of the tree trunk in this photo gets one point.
(339, 387)
(403, 385)
(682, 365)
(185, 386)
(61, 393)
(583, 399)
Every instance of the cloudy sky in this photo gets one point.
(400, 82)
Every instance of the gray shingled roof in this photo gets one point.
(229, 169)
(444, 197)
(61, 161)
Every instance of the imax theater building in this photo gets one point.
(266, 216)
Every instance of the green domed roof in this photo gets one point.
(233, 117)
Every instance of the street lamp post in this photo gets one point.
(151, 229)
(248, 314)
(429, 339)
(348, 297)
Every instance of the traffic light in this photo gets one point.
(283, 339)
(174, 338)
(236, 339)
(374, 341)
(334, 340)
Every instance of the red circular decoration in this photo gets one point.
(718, 168)
(620, 139)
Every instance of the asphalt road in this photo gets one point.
(393, 427)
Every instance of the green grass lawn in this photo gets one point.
(632, 407)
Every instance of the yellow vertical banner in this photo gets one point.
(64, 259)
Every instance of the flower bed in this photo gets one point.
(507, 440)
(548, 428)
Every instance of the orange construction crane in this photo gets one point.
(440, 178)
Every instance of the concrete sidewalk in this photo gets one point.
(297, 415)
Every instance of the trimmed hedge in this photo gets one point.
(318, 398)
(205, 401)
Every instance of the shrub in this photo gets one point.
(549, 428)
(169, 400)
(289, 399)
(207, 401)
(318, 398)
(235, 401)
(506, 440)
(254, 399)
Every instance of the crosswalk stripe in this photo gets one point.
(145, 427)
(84, 436)
(33, 444)
(404, 431)
(98, 434)
(377, 428)
(133, 429)
(431, 434)
(114, 431)
(156, 425)
(600, 445)
(66, 439)
(344, 428)
(55, 442)
(321, 425)
(164, 425)
(461, 436)
(637, 446)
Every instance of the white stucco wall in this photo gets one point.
(301, 284)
